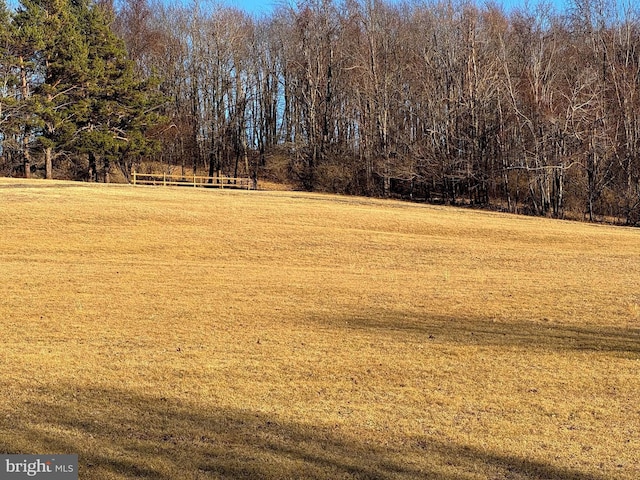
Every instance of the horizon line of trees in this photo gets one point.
(533, 111)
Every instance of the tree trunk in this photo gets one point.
(25, 138)
(107, 167)
(48, 163)
(27, 158)
(212, 164)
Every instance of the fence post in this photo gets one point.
(134, 177)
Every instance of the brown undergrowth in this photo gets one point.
(182, 333)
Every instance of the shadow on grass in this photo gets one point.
(619, 341)
(121, 435)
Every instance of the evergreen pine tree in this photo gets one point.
(7, 75)
(24, 41)
(85, 99)
(123, 107)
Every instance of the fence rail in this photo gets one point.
(166, 179)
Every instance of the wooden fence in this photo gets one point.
(166, 179)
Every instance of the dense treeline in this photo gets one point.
(534, 111)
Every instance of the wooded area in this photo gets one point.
(533, 111)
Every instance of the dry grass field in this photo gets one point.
(191, 334)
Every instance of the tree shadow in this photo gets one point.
(118, 434)
(488, 332)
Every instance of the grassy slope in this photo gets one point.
(178, 333)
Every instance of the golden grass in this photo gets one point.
(184, 333)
